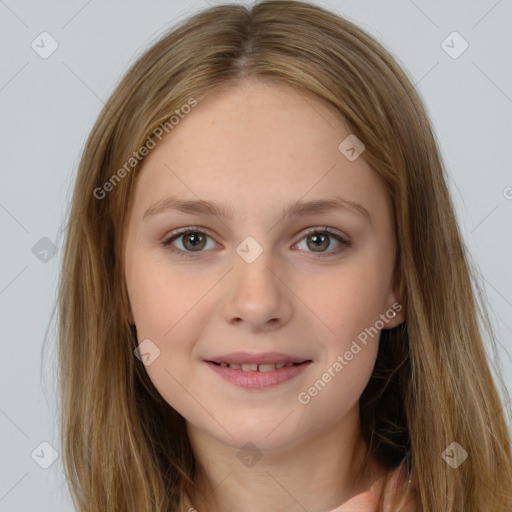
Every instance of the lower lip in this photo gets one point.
(256, 379)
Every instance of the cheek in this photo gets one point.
(349, 352)
(163, 304)
(159, 297)
(349, 303)
(347, 300)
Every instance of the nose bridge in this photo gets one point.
(255, 293)
(252, 272)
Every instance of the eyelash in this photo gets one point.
(167, 243)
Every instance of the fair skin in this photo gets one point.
(256, 149)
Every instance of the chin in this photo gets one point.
(265, 436)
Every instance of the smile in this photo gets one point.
(258, 376)
(251, 367)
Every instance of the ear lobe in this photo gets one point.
(395, 306)
(398, 311)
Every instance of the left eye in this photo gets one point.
(194, 240)
(320, 239)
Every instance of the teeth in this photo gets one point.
(252, 367)
(266, 367)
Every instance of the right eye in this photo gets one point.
(192, 241)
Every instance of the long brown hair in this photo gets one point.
(124, 447)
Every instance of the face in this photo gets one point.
(260, 277)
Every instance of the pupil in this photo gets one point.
(316, 238)
(194, 236)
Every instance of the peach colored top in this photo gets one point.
(399, 497)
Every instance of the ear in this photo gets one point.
(395, 310)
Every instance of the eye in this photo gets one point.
(319, 240)
(193, 240)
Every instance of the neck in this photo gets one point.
(318, 473)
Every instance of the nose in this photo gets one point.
(256, 297)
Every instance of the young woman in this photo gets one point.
(265, 303)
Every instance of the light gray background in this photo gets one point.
(48, 107)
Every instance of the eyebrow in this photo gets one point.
(299, 208)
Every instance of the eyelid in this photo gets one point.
(187, 229)
(326, 229)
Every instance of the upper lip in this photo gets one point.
(266, 357)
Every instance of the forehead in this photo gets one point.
(255, 143)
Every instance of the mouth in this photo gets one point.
(258, 367)
(258, 376)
